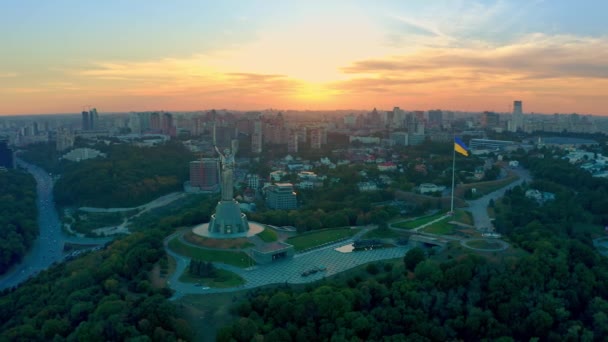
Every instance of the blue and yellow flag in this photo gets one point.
(460, 147)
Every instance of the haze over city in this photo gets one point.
(460, 55)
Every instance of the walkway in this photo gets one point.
(159, 202)
(503, 245)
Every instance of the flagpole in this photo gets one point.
(453, 170)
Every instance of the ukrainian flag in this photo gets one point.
(460, 147)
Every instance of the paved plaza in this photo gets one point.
(290, 270)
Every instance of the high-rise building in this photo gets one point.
(517, 107)
(398, 118)
(399, 138)
(489, 119)
(256, 136)
(65, 140)
(204, 174)
(435, 118)
(374, 119)
(7, 158)
(281, 196)
(167, 125)
(292, 141)
(316, 137)
(93, 119)
(85, 121)
(518, 119)
(155, 122)
(350, 120)
(89, 120)
(134, 123)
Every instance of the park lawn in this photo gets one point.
(268, 235)
(418, 222)
(442, 227)
(381, 234)
(222, 279)
(319, 237)
(463, 217)
(238, 259)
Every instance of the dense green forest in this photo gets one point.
(128, 176)
(555, 291)
(102, 296)
(18, 216)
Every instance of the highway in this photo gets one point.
(48, 247)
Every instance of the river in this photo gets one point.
(48, 246)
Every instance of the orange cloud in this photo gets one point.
(549, 73)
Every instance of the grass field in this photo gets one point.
(238, 259)
(222, 279)
(319, 237)
(418, 222)
(268, 235)
(381, 234)
(441, 228)
(463, 217)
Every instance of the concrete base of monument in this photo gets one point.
(203, 230)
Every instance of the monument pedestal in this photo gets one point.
(228, 218)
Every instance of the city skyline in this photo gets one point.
(458, 55)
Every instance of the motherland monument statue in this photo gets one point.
(228, 218)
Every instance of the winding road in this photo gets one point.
(479, 207)
(47, 249)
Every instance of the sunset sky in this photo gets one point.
(135, 55)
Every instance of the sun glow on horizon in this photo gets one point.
(347, 55)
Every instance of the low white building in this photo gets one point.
(278, 175)
(540, 196)
(84, 153)
(427, 188)
(305, 185)
(307, 175)
(367, 186)
(387, 166)
(385, 179)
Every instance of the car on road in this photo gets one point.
(205, 288)
(198, 284)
